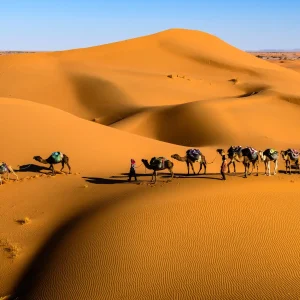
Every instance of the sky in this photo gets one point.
(47, 25)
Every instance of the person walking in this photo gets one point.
(223, 167)
(132, 170)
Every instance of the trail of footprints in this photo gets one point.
(5, 181)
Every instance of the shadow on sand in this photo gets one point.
(123, 177)
(32, 168)
(288, 173)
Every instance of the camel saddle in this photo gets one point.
(253, 152)
(158, 161)
(4, 168)
(193, 154)
(294, 153)
(271, 153)
(234, 149)
(57, 156)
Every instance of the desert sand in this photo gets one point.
(91, 234)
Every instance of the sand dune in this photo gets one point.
(164, 245)
(151, 96)
(110, 82)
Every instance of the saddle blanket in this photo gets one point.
(193, 153)
(271, 153)
(294, 153)
(3, 168)
(159, 161)
(57, 156)
(252, 150)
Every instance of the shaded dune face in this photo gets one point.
(111, 83)
(207, 247)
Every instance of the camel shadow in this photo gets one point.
(31, 168)
(288, 173)
(99, 180)
(203, 176)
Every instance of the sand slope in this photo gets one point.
(176, 242)
(111, 82)
(152, 96)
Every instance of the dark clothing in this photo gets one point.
(223, 175)
(223, 169)
(132, 174)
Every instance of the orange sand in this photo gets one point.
(92, 235)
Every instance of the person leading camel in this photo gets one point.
(231, 155)
(158, 164)
(132, 170)
(4, 168)
(55, 158)
(223, 167)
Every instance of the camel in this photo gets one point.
(166, 164)
(250, 155)
(288, 157)
(231, 155)
(267, 156)
(4, 168)
(55, 158)
(190, 161)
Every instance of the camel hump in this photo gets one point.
(57, 156)
(158, 161)
(193, 154)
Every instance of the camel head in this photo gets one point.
(175, 156)
(221, 151)
(37, 158)
(144, 161)
(283, 154)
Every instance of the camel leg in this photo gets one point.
(172, 174)
(269, 168)
(229, 167)
(245, 165)
(193, 168)
(275, 166)
(52, 168)
(12, 171)
(188, 167)
(200, 167)
(265, 167)
(204, 164)
(0, 180)
(62, 165)
(155, 176)
(69, 167)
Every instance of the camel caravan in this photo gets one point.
(248, 156)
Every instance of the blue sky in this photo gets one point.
(67, 24)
